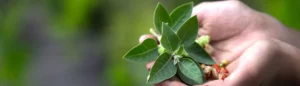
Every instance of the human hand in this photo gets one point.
(237, 32)
(269, 62)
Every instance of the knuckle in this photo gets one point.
(269, 45)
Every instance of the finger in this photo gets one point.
(200, 11)
(259, 64)
(205, 13)
(163, 83)
(216, 18)
(174, 81)
(232, 65)
(255, 65)
(170, 83)
(149, 65)
(177, 83)
(250, 66)
(215, 83)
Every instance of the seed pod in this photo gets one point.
(220, 75)
(224, 70)
(207, 71)
(223, 76)
(222, 65)
(209, 49)
(216, 66)
(225, 62)
(214, 73)
(146, 36)
(202, 66)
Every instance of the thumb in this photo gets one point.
(255, 66)
(258, 65)
(222, 19)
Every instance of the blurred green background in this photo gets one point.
(81, 42)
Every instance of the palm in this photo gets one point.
(231, 27)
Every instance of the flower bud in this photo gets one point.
(207, 71)
(203, 40)
(161, 49)
(215, 73)
(225, 62)
(202, 66)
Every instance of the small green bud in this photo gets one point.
(184, 53)
(176, 59)
(161, 49)
(203, 40)
(222, 65)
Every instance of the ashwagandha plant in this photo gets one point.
(179, 50)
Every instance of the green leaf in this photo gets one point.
(196, 52)
(145, 52)
(180, 15)
(180, 50)
(162, 69)
(169, 39)
(190, 71)
(160, 15)
(186, 80)
(188, 31)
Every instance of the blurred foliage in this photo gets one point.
(118, 22)
(13, 53)
(286, 11)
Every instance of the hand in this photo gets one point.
(248, 39)
(269, 62)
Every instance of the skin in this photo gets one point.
(260, 49)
